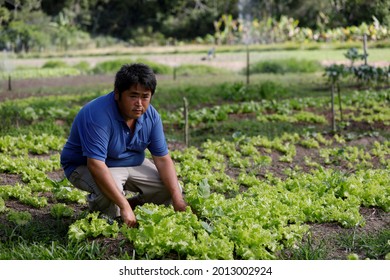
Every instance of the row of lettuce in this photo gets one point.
(239, 216)
(54, 114)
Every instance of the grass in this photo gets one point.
(307, 250)
(45, 240)
(120, 50)
(321, 55)
(375, 55)
(366, 245)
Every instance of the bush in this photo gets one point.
(283, 66)
(157, 68)
(367, 74)
(112, 66)
(242, 92)
(189, 70)
(108, 67)
(55, 64)
(267, 67)
(83, 66)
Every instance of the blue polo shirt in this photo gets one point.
(100, 132)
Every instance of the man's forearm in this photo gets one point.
(168, 176)
(106, 183)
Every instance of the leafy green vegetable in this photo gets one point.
(92, 226)
(19, 217)
(60, 210)
(2, 205)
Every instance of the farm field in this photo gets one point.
(233, 60)
(264, 173)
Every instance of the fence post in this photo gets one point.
(9, 83)
(186, 129)
(333, 111)
(365, 48)
(247, 64)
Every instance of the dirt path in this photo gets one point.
(34, 87)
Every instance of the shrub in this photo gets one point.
(281, 66)
(157, 68)
(242, 92)
(112, 66)
(108, 67)
(367, 74)
(55, 64)
(189, 70)
(83, 66)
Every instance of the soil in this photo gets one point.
(30, 87)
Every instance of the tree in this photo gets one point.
(354, 12)
(4, 15)
(323, 14)
(182, 19)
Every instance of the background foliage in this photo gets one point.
(38, 25)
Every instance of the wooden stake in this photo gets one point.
(247, 65)
(340, 106)
(333, 114)
(186, 129)
(9, 83)
(365, 48)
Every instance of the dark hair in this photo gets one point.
(132, 74)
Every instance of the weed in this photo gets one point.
(307, 250)
(367, 245)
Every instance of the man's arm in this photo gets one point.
(168, 176)
(106, 183)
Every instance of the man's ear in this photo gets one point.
(116, 95)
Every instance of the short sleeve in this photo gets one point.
(94, 136)
(158, 145)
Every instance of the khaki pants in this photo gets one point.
(143, 179)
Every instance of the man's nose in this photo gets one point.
(138, 100)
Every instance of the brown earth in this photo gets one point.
(30, 87)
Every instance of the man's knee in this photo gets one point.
(102, 204)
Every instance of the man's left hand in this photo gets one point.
(179, 205)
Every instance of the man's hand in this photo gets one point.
(168, 176)
(106, 183)
(128, 217)
(179, 205)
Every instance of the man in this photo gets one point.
(105, 151)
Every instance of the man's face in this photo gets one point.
(133, 102)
